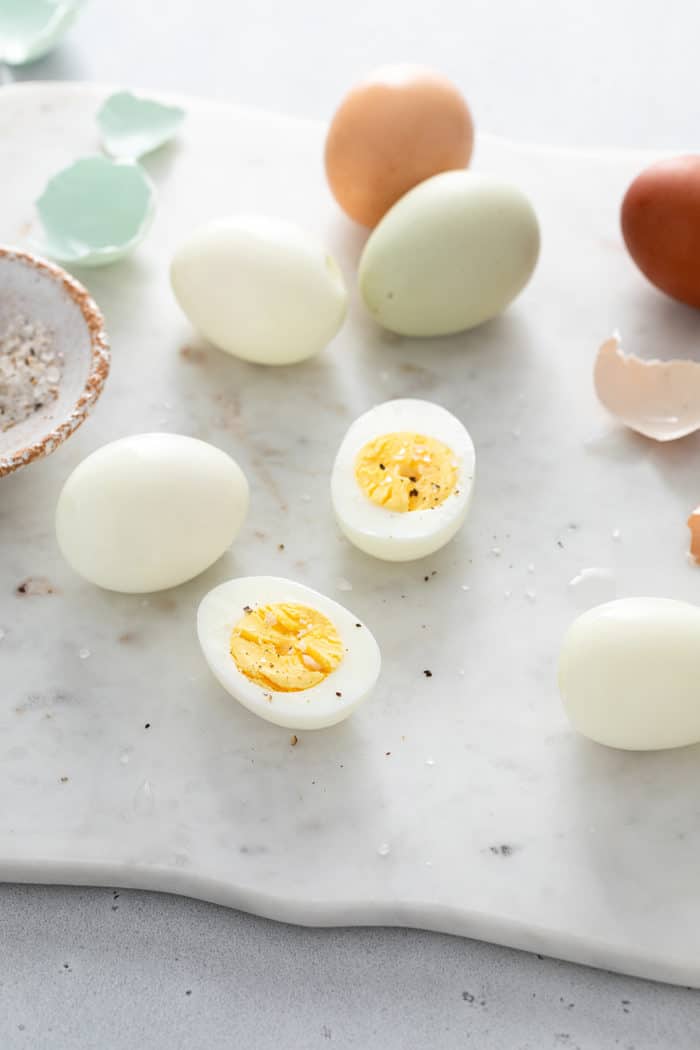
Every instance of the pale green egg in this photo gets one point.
(132, 126)
(30, 28)
(96, 211)
(449, 255)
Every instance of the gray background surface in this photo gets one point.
(116, 969)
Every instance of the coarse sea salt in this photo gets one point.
(30, 370)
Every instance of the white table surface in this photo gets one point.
(87, 968)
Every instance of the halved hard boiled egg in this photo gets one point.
(402, 480)
(286, 652)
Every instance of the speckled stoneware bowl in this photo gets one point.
(44, 293)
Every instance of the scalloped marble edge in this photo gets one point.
(416, 914)
(194, 102)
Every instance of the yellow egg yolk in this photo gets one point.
(285, 647)
(406, 471)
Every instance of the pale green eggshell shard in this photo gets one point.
(30, 28)
(131, 126)
(95, 211)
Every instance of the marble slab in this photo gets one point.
(460, 802)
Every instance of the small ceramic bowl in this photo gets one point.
(32, 288)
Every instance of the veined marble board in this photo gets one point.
(462, 802)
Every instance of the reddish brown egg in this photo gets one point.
(400, 126)
(661, 226)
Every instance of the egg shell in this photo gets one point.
(96, 211)
(660, 221)
(629, 673)
(660, 399)
(396, 128)
(315, 708)
(260, 288)
(694, 526)
(132, 126)
(150, 511)
(392, 535)
(449, 255)
(29, 29)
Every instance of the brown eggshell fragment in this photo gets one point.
(694, 526)
(400, 126)
(661, 226)
(660, 399)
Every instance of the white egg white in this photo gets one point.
(395, 535)
(315, 708)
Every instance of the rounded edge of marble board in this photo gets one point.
(66, 90)
(418, 915)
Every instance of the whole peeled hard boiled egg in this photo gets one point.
(394, 129)
(402, 479)
(150, 511)
(286, 652)
(660, 221)
(449, 255)
(260, 288)
(629, 673)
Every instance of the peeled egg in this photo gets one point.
(661, 226)
(629, 673)
(150, 511)
(449, 255)
(402, 480)
(396, 128)
(260, 288)
(286, 652)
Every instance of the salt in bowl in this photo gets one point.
(40, 293)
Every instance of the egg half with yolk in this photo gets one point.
(286, 652)
(402, 480)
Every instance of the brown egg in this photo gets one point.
(393, 130)
(661, 226)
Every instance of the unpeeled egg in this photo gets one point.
(393, 130)
(661, 226)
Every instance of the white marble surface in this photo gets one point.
(519, 832)
(566, 73)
